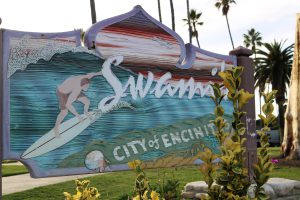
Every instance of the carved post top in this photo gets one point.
(241, 51)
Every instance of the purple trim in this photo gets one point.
(191, 56)
(7, 34)
(1, 106)
(35, 173)
(186, 59)
(91, 33)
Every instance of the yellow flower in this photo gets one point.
(154, 195)
(68, 196)
(134, 164)
(77, 196)
(145, 197)
(137, 197)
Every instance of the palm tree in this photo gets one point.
(189, 21)
(225, 5)
(194, 21)
(254, 39)
(93, 11)
(172, 14)
(159, 10)
(274, 66)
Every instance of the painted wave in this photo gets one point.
(34, 106)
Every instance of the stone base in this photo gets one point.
(276, 188)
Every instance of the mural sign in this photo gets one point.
(133, 91)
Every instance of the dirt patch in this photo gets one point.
(290, 163)
(285, 162)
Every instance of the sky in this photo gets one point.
(274, 19)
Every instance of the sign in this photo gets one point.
(133, 91)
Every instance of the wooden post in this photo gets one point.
(244, 60)
(1, 107)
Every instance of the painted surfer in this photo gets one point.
(68, 92)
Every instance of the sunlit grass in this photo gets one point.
(117, 184)
(10, 170)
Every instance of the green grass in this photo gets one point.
(114, 185)
(9, 161)
(274, 151)
(286, 172)
(10, 170)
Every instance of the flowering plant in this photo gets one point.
(83, 192)
(142, 188)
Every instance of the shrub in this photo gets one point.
(142, 189)
(83, 192)
(229, 179)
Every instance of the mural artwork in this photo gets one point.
(132, 91)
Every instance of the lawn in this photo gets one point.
(10, 170)
(115, 185)
(274, 151)
(112, 185)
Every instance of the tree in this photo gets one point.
(188, 20)
(291, 141)
(194, 22)
(254, 39)
(225, 5)
(172, 15)
(93, 11)
(159, 10)
(274, 66)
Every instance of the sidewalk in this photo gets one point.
(18, 183)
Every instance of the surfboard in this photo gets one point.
(68, 130)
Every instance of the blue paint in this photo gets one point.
(34, 107)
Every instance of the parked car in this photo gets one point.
(274, 138)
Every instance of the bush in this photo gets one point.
(229, 179)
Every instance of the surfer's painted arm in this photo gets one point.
(93, 74)
(72, 97)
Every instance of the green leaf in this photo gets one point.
(268, 109)
(237, 72)
(242, 131)
(227, 80)
(237, 170)
(243, 98)
(219, 111)
(217, 91)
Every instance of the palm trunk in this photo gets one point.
(288, 138)
(291, 142)
(189, 20)
(172, 14)
(197, 40)
(93, 11)
(159, 10)
(196, 32)
(281, 120)
(259, 103)
(280, 100)
(229, 32)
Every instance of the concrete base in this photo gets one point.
(276, 188)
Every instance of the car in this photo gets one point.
(274, 138)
